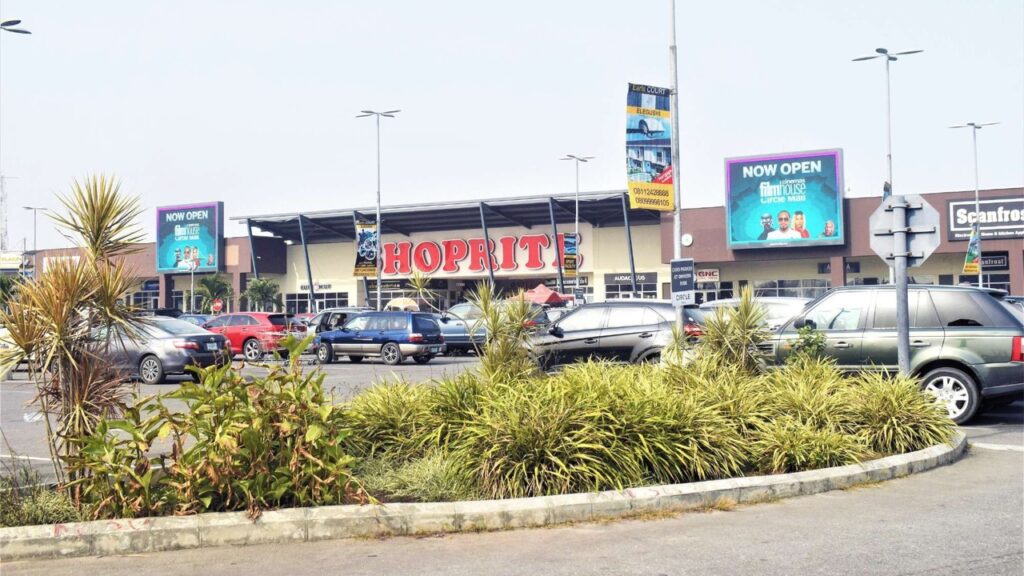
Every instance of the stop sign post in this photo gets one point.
(217, 305)
(904, 230)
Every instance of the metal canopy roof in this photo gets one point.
(600, 209)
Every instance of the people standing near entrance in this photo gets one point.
(766, 223)
(799, 224)
(784, 232)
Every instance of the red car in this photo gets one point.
(254, 334)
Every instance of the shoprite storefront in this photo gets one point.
(809, 271)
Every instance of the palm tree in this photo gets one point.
(8, 286)
(62, 321)
(262, 294)
(212, 288)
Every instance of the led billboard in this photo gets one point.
(189, 237)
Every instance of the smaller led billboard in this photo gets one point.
(189, 237)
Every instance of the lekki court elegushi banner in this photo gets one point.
(649, 169)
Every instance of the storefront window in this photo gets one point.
(299, 303)
(997, 281)
(807, 288)
(617, 291)
(146, 299)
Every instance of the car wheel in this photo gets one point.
(391, 354)
(955, 390)
(422, 359)
(651, 359)
(324, 353)
(151, 371)
(355, 359)
(252, 350)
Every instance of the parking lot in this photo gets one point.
(25, 432)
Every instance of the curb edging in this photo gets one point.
(111, 537)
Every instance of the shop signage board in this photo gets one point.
(649, 170)
(189, 237)
(785, 200)
(366, 249)
(10, 260)
(708, 275)
(626, 278)
(508, 253)
(999, 218)
(994, 261)
(683, 287)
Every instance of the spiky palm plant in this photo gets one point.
(210, 288)
(62, 321)
(262, 294)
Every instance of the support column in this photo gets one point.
(1016, 262)
(837, 265)
(629, 241)
(309, 270)
(487, 245)
(558, 249)
(252, 250)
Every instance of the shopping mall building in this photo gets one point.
(623, 253)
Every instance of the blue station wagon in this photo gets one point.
(392, 336)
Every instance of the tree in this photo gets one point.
(8, 286)
(212, 288)
(63, 321)
(262, 294)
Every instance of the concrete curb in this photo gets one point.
(110, 537)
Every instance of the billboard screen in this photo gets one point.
(782, 200)
(189, 236)
(649, 148)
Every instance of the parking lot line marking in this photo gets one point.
(20, 457)
(1004, 447)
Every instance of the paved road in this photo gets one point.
(963, 519)
(25, 432)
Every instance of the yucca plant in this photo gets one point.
(734, 333)
(508, 323)
(893, 415)
(63, 321)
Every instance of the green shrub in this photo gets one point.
(789, 445)
(808, 390)
(810, 342)
(25, 500)
(437, 476)
(272, 441)
(893, 415)
(392, 418)
(452, 403)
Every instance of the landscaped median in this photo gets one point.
(107, 537)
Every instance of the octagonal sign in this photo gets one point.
(922, 224)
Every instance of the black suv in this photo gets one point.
(964, 344)
(619, 330)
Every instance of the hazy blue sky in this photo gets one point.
(253, 102)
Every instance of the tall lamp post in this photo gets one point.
(8, 26)
(576, 231)
(380, 228)
(35, 213)
(889, 57)
(974, 126)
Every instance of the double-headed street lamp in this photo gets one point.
(35, 213)
(974, 126)
(889, 57)
(380, 228)
(9, 26)
(576, 232)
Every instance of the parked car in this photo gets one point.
(964, 344)
(197, 319)
(1016, 305)
(392, 336)
(254, 334)
(618, 330)
(165, 346)
(778, 310)
(334, 318)
(464, 331)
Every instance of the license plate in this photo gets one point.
(436, 349)
(211, 346)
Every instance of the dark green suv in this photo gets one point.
(964, 344)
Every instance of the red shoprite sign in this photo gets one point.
(508, 253)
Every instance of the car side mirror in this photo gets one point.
(556, 331)
(802, 322)
(444, 319)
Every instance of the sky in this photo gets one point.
(253, 102)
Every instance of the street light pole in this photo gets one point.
(576, 231)
(889, 57)
(677, 218)
(35, 213)
(380, 228)
(192, 287)
(974, 126)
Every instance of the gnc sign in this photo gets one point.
(533, 252)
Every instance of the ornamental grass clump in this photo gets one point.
(392, 418)
(436, 476)
(788, 444)
(809, 390)
(894, 416)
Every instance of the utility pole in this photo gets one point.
(3, 210)
(975, 126)
(677, 218)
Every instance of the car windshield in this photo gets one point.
(160, 326)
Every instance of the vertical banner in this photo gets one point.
(569, 245)
(649, 169)
(973, 259)
(366, 249)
